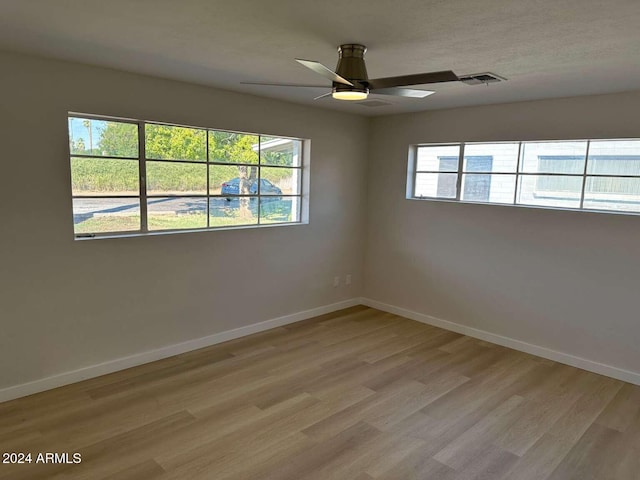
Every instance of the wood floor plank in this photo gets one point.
(357, 394)
(550, 449)
(626, 461)
(418, 465)
(620, 413)
(411, 369)
(468, 446)
(490, 462)
(370, 408)
(590, 456)
(339, 446)
(146, 470)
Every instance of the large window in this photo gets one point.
(137, 177)
(576, 174)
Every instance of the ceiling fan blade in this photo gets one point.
(417, 79)
(284, 85)
(324, 71)
(323, 95)
(403, 92)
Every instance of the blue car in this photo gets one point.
(232, 187)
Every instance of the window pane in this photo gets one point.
(491, 157)
(279, 209)
(233, 211)
(280, 151)
(551, 191)
(612, 193)
(102, 138)
(176, 213)
(438, 159)
(553, 157)
(231, 180)
(176, 179)
(619, 157)
(228, 147)
(440, 185)
(99, 215)
(100, 176)
(166, 142)
(279, 181)
(488, 188)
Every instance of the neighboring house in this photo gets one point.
(551, 174)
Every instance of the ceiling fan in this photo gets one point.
(351, 82)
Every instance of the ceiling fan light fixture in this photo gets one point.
(349, 95)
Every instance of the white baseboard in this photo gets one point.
(111, 366)
(115, 365)
(579, 362)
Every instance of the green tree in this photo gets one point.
(230, 147)
(119, 140)
(165, 142)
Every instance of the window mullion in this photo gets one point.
(584, 175)
(517, 185)
(460, 169)
(415, 169)
(208, 186)
(259, 173)
(142, 158)
(301, 189)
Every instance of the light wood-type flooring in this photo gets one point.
(353, 395)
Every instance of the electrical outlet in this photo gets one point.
(336, 281)
(347, 279)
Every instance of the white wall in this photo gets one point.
(68, 304)
(564, 280)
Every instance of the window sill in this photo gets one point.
(534, 207)
(101, 236)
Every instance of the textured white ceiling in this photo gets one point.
(546, 48)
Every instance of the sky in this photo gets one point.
(77, 130)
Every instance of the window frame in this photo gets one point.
(143, 196)
(412, 167)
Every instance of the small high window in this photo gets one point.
(601, 175)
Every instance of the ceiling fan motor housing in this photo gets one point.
(351, 66)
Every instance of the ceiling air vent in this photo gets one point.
(374, 103)
(481, 78)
